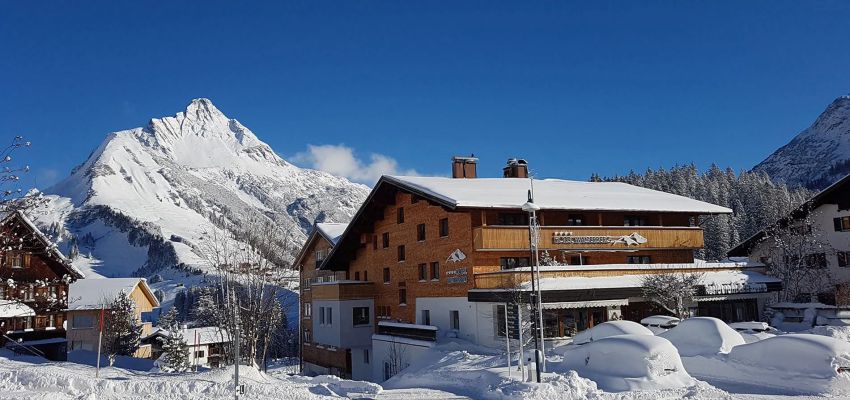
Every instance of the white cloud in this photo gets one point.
(340, 160)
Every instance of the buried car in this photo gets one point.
(628, 362)
(754, 331)
(608, 329)
(660, 323)
(799, 363)
(703, 336)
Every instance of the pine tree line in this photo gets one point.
(756, 201)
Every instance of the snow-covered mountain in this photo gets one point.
(147, 198)
(819, 155)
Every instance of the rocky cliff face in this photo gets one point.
(819, 155)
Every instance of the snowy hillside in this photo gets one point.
(819, 155)
(147, 199)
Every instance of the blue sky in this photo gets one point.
(574, 87)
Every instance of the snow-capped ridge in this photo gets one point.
(817, 156)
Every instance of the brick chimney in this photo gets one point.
(516, 168)
(464, 167)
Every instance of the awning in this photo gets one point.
(586, 304)
(741, 296)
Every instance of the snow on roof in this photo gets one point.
(332, 231)
(93, 293)
(554, 194)
(407, 326)
(200, 335)
(712, 278)
(51, 247)
(14, 309)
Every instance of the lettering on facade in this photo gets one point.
(457, 276)
(635, 239)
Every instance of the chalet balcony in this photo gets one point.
(514, 238)
(343, 290)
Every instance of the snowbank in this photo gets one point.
(703, 336)
(837, 332)
(608, 329)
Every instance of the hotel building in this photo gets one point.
(430, 258)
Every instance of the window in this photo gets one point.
(14, 260)
(2, 293)
(374, 242)
(383, 312)
(400, 215)
(330, 316)
(386, 275)
(51, 320)
(420, 232)
(579, 260)
(360, 316)
(844, 258)
(365, 356)
(356, 275)
(435, 271)
(513, 262)
(307, 336)
(634, 220)
(385, 238)
(30, 293)
(817, 260)
(454, 318)
(444, 227)
(638, 260)
(365, 275)
(321, 315)
(423, 272)
(401, 255)
(575, 220)
(308, 310)
(402, 296)
(199, 354)
(842, 224)
(426, 317)
(513, 219)
(82, 322)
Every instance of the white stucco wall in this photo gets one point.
(341, 332)
(360, 369)
(406, 349)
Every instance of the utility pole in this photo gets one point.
(99, 342)
(532, 209)
(237, 389)
(508, 341)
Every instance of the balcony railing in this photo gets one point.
(589, 237)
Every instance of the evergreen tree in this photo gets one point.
(175, 350)
(122, 330)
(205, 312)
(169, 318)
(755, 200)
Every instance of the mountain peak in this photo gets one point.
(203, 109)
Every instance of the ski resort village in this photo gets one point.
(434, 200)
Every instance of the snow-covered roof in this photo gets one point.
(14, 309)
(407, 326)
(712, 278)
(93, 293)
(198, 336)
(555, 194)
(332, 231)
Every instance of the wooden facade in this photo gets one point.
(506, 238)
(34, 274)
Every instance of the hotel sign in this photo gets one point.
(635, 239)
(457, 276)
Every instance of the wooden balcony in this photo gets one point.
(508, 238)
(343, 290)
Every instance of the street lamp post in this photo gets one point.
(536, 307)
